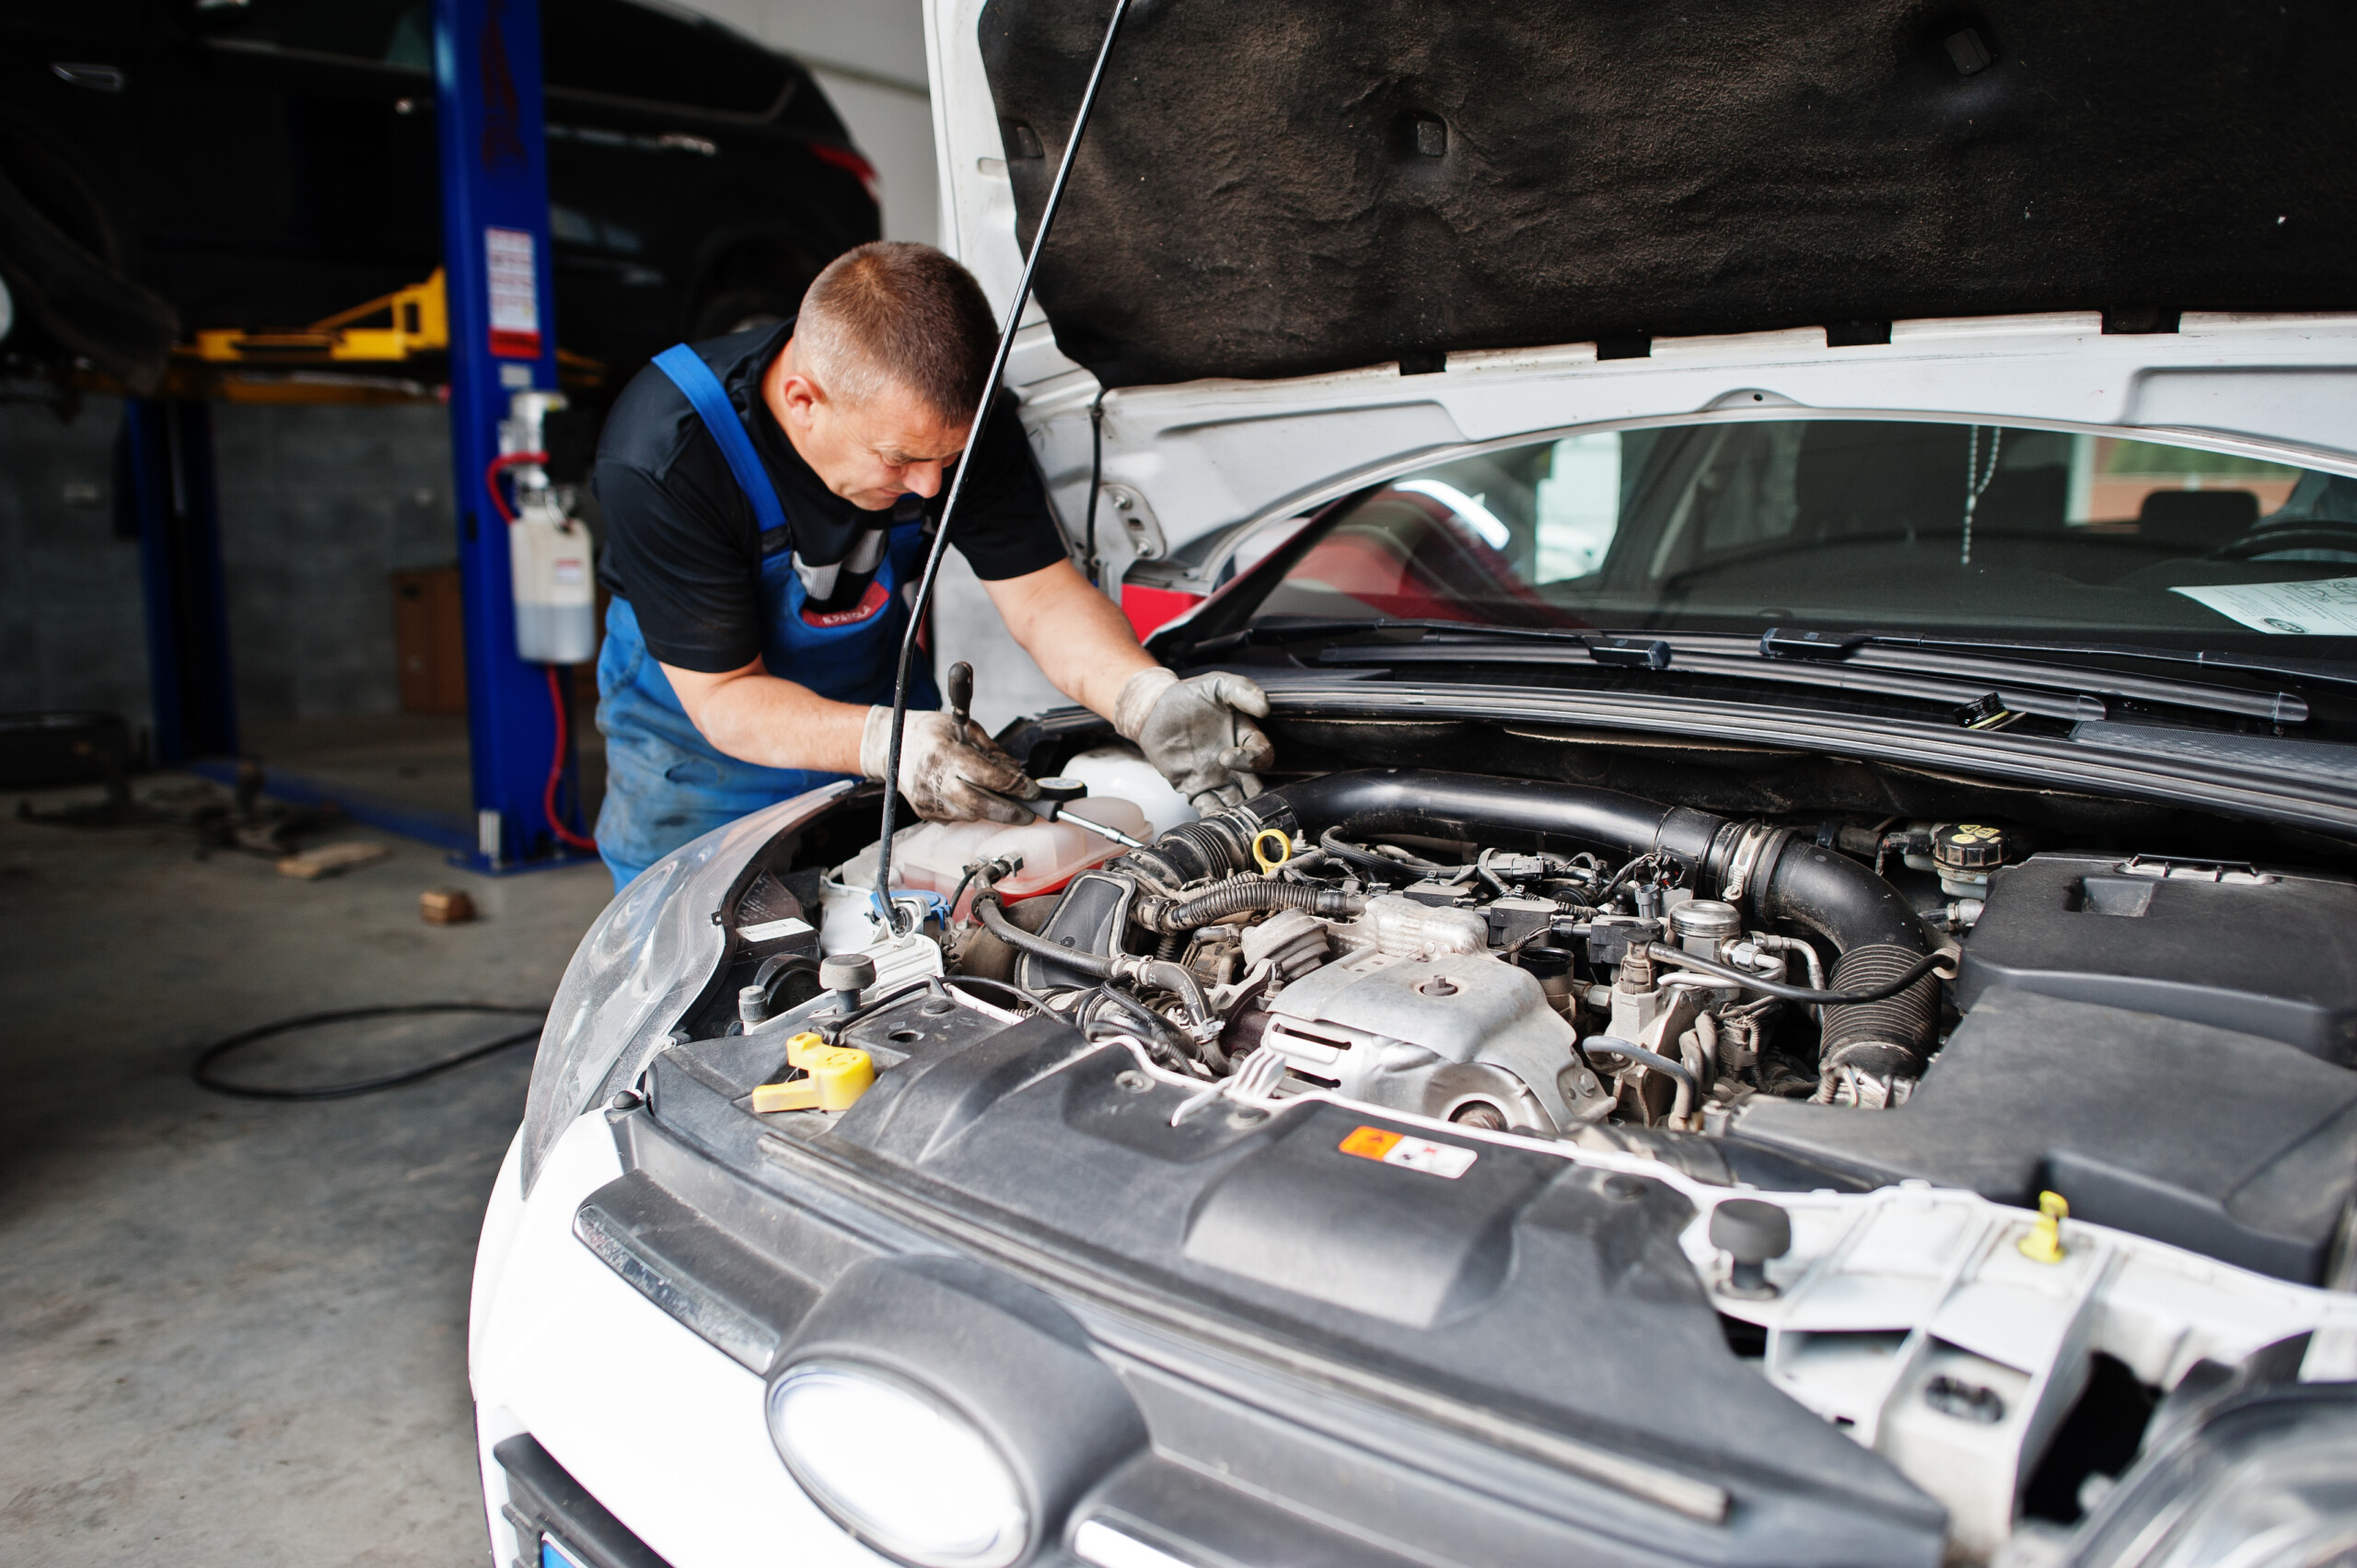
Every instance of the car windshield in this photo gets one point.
(1912, 525)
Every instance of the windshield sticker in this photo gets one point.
(1416, 1154)
(2324, 609)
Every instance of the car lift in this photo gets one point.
(501, 293)
(491, 306)
(417, 322)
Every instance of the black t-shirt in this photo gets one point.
(682, 542)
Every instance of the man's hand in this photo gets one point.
(944, 769)
(1196, 732)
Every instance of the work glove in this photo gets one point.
(946, 768)
(1197, 734)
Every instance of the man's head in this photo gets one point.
(879, 386)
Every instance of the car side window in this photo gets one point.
(377, 32)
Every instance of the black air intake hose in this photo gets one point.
(1417, 800)
(1782, 877)
(1879, 936)
(1239, 894)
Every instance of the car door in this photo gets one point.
(323, 192)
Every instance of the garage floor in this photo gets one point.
(233, 1332)
(415, 763)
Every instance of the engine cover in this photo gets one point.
(2264, 953)
(1433, 1035)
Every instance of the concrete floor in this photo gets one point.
(234, 1332)
(416, 763)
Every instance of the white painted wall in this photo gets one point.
(869, 57)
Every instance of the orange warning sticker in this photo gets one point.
(1447, 1160)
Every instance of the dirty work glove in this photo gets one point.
(944, 769)
(1197, 733)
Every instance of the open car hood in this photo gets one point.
(1290, 188)
(1712, 212)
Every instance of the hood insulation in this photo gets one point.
(1286, 187)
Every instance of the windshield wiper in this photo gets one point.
(1784, 641)
(1959, 673)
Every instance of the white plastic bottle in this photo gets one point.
(556, 596)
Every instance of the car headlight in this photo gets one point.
(897, 1466)
(2268, 1481)
(643, 961)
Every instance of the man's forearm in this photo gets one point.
(757, 717)
(1078, 639)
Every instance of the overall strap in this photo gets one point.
(709, 400)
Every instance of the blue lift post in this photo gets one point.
(171, 463)
(503, 340)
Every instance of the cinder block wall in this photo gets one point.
(71, 630)
(318, 505)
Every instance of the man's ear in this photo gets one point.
(800, 394)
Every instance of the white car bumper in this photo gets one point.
(664, 1431)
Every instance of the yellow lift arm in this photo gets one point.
(417, 322)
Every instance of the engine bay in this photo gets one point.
(1726, 996)
(1923, 1030)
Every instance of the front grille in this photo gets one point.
(543, 1498)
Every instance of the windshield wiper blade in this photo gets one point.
(1282, 629)
(1955, 674)
(1614, 649)
(2018, 670)
(1784, 641)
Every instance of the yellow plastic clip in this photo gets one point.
(835, 1076)
(1263, 858)
(2044, 1242)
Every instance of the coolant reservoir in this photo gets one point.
(933, 856)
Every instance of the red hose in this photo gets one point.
(490, 479)
(556, 691)
(556, 768)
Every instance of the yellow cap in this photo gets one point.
(802, 1093)
(836, 1077)
(800, 1045)
(2044, 1242)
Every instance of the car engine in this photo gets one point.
(1923, 1040)
(1610, 963)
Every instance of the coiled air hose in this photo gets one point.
(1239, 894)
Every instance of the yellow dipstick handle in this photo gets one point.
(837, 1076)
(1261, 857)
(2044, 1242)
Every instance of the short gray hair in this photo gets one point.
(891, 311)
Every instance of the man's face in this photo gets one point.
(869, 453)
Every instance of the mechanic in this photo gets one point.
(769, 498)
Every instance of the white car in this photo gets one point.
(1793, 998)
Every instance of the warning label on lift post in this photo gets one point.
(515, 293)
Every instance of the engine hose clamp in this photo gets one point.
(1750, 851)
(1267, 861)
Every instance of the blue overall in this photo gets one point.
(665, 783)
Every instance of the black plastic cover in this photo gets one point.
(1355, 1340)
(2224, 1143)
(2275, 959)
(1292, 187)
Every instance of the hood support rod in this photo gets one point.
(957, 481)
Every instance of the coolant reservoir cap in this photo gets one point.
(1062, 789)
(1968, 846)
